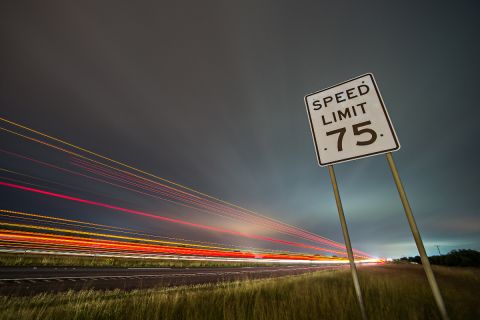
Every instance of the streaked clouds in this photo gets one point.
(210, 94)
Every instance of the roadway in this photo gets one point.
(29, 281)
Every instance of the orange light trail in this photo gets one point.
(81, 224)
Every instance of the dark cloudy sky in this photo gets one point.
(210, 94)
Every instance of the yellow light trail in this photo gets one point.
(36, 215)
(104, 235)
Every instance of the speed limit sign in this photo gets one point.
(349, 121)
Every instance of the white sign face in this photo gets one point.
(350, 121)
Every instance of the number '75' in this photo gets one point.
(356, 131)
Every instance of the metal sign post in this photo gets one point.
(349, 121)
(418, 239)
(346, 236)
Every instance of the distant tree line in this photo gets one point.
(455, 258)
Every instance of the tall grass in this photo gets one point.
(390, 292)
(45, 260)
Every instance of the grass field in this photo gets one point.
(44, 260)
(390, 292)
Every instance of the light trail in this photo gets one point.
(76, 173)
(42, 251)
(43, 163)
(72, 242)
(81, 224)
(93, 178)
(305, 234)
(340, 253)
(63, 169)
(104, 235)
(143, 240)
(208, 205)
(126, 247)
(205, 207)
(89, 224)
(149, 215)
(109, 174)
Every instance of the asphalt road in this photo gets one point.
(28, 281)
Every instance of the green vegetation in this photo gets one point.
(455, 258)
(390, 292)
(45, 260)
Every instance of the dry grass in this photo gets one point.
(391, 292)
(45, 260)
